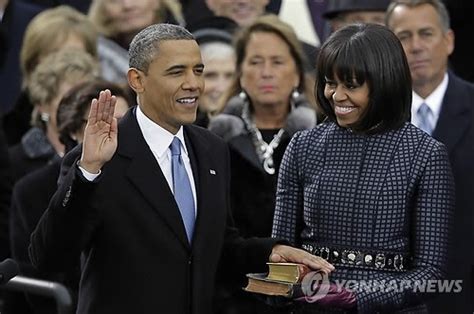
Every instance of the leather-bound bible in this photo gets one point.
(259, 283)
(282, 279)
(287, 272)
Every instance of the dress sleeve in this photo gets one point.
(430, 227)
(287, 219)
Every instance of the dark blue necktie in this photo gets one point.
(425, 116)
(183, 193)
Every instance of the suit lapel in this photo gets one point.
(201, 164)
(193, 159)
(146, 175)
(454, 116)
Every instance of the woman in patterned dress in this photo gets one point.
(365, 189)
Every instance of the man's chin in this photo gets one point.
(190, 119)
(420, 80)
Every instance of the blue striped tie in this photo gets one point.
(183, 193)
(425, 117)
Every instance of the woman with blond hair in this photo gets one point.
(41, 39)
(50, 80)
(118, 21)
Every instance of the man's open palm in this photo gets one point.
(100, 134)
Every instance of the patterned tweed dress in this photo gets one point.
(385, 193)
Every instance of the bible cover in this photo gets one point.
(259, 283)
(287, 272)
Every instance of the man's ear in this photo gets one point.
(135, 79)
(449, 38)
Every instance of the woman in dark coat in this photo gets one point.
(266, 106)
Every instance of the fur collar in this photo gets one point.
(36, 144)
(229, 124)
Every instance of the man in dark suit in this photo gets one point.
(461, 12)
(423, 28)
(120, 204)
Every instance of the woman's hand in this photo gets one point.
(285, 253)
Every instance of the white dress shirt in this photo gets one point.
(433, 101)
(159, 141)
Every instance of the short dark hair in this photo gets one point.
(145, 45)
(371, 54)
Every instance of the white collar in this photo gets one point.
(158, 138)
(434, 100)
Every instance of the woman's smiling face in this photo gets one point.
(348, 99)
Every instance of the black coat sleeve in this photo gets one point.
(244, 254)
(68, 225)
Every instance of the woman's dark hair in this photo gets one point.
(372, 54)
(74, 106)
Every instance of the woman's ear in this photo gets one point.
(296, 83)
(241, 82)
(136, 79)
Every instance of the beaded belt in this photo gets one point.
(367, 259)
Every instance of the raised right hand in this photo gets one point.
(100, 134)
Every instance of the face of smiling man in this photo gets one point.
(169, 90)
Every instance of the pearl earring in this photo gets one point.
(295, 94)
(243, 95)
(44, 117)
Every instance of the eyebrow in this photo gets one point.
(423, 29)
(277, 56)
(182, 67)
